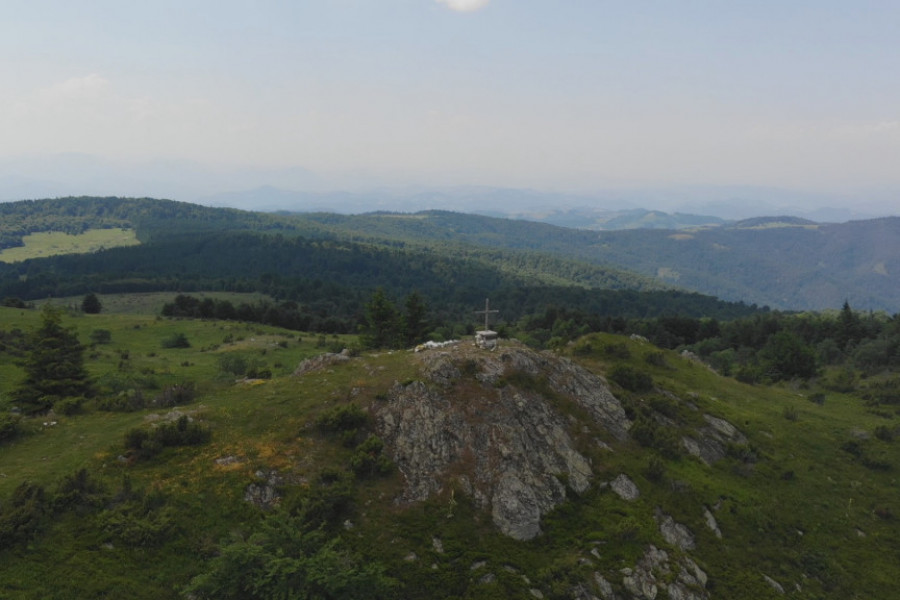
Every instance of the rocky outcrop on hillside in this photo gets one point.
(498, 425)
(711, 442)
(322, 361)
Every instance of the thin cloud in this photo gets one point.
(464, 5)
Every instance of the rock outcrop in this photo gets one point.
(657, 575)
(492, 424)
(712, 441)
(322, 361)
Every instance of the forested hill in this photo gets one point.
(327, 270)
(148, 217)
(782, 262)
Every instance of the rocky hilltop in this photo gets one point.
(519, 431)
(500, 425)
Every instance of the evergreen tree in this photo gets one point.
(787, 357)
(415, 325)
(381, 329)
(849, 327)
(54, 365)
(91, 304)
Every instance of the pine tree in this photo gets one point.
(91, 304)
(415, 324)
(381, 322)
(54, 366)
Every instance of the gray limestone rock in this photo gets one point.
(775, 585)
(713, 440)
(712, 523)
(625, 488)
(317, 363)
(673, 532)
(503, 442)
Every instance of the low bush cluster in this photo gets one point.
(146, 443)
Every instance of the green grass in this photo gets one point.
(52, 243)
(795, 514)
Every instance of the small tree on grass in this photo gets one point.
(54, 365)
(91, 304)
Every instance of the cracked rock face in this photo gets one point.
(496, 434)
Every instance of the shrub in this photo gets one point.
(176, 340)
(342, 418)
(9, 427)
(143, 443)
(69, 406)
(884, 433)
(631, 379)
(125, 401)
(649, 434)
(656, 359)
(656, 469)
(101, 336)
(175, 395)
(368, 459)
(23, 514)
(619, 350)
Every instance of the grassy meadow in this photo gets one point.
(52, 243)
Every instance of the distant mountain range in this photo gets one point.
(296, 189)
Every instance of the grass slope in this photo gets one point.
(793, 504)
(53, 243)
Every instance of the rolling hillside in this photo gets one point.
(612, 470)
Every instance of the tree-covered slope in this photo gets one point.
(326, 267)
(781, 262)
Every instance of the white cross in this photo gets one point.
(486, 312)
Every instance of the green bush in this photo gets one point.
(23, 514)
(631, 379)
(69, 406)
(618, 350)
(9, 427)
(125, 401)
(233, 364)
(144, 444)
(884, 433)
(342, 418)
(176, 340)
(368, 460)
(177, 394)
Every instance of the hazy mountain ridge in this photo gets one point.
(782, 262)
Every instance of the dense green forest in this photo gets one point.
(322, 272)
(781, 262)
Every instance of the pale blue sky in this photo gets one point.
(561, 94)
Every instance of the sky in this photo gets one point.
(541, 94)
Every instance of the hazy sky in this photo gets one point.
(553, 94)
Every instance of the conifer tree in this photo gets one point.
(381, 322)
(91, 304)
(54, 365)
(414, 321)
